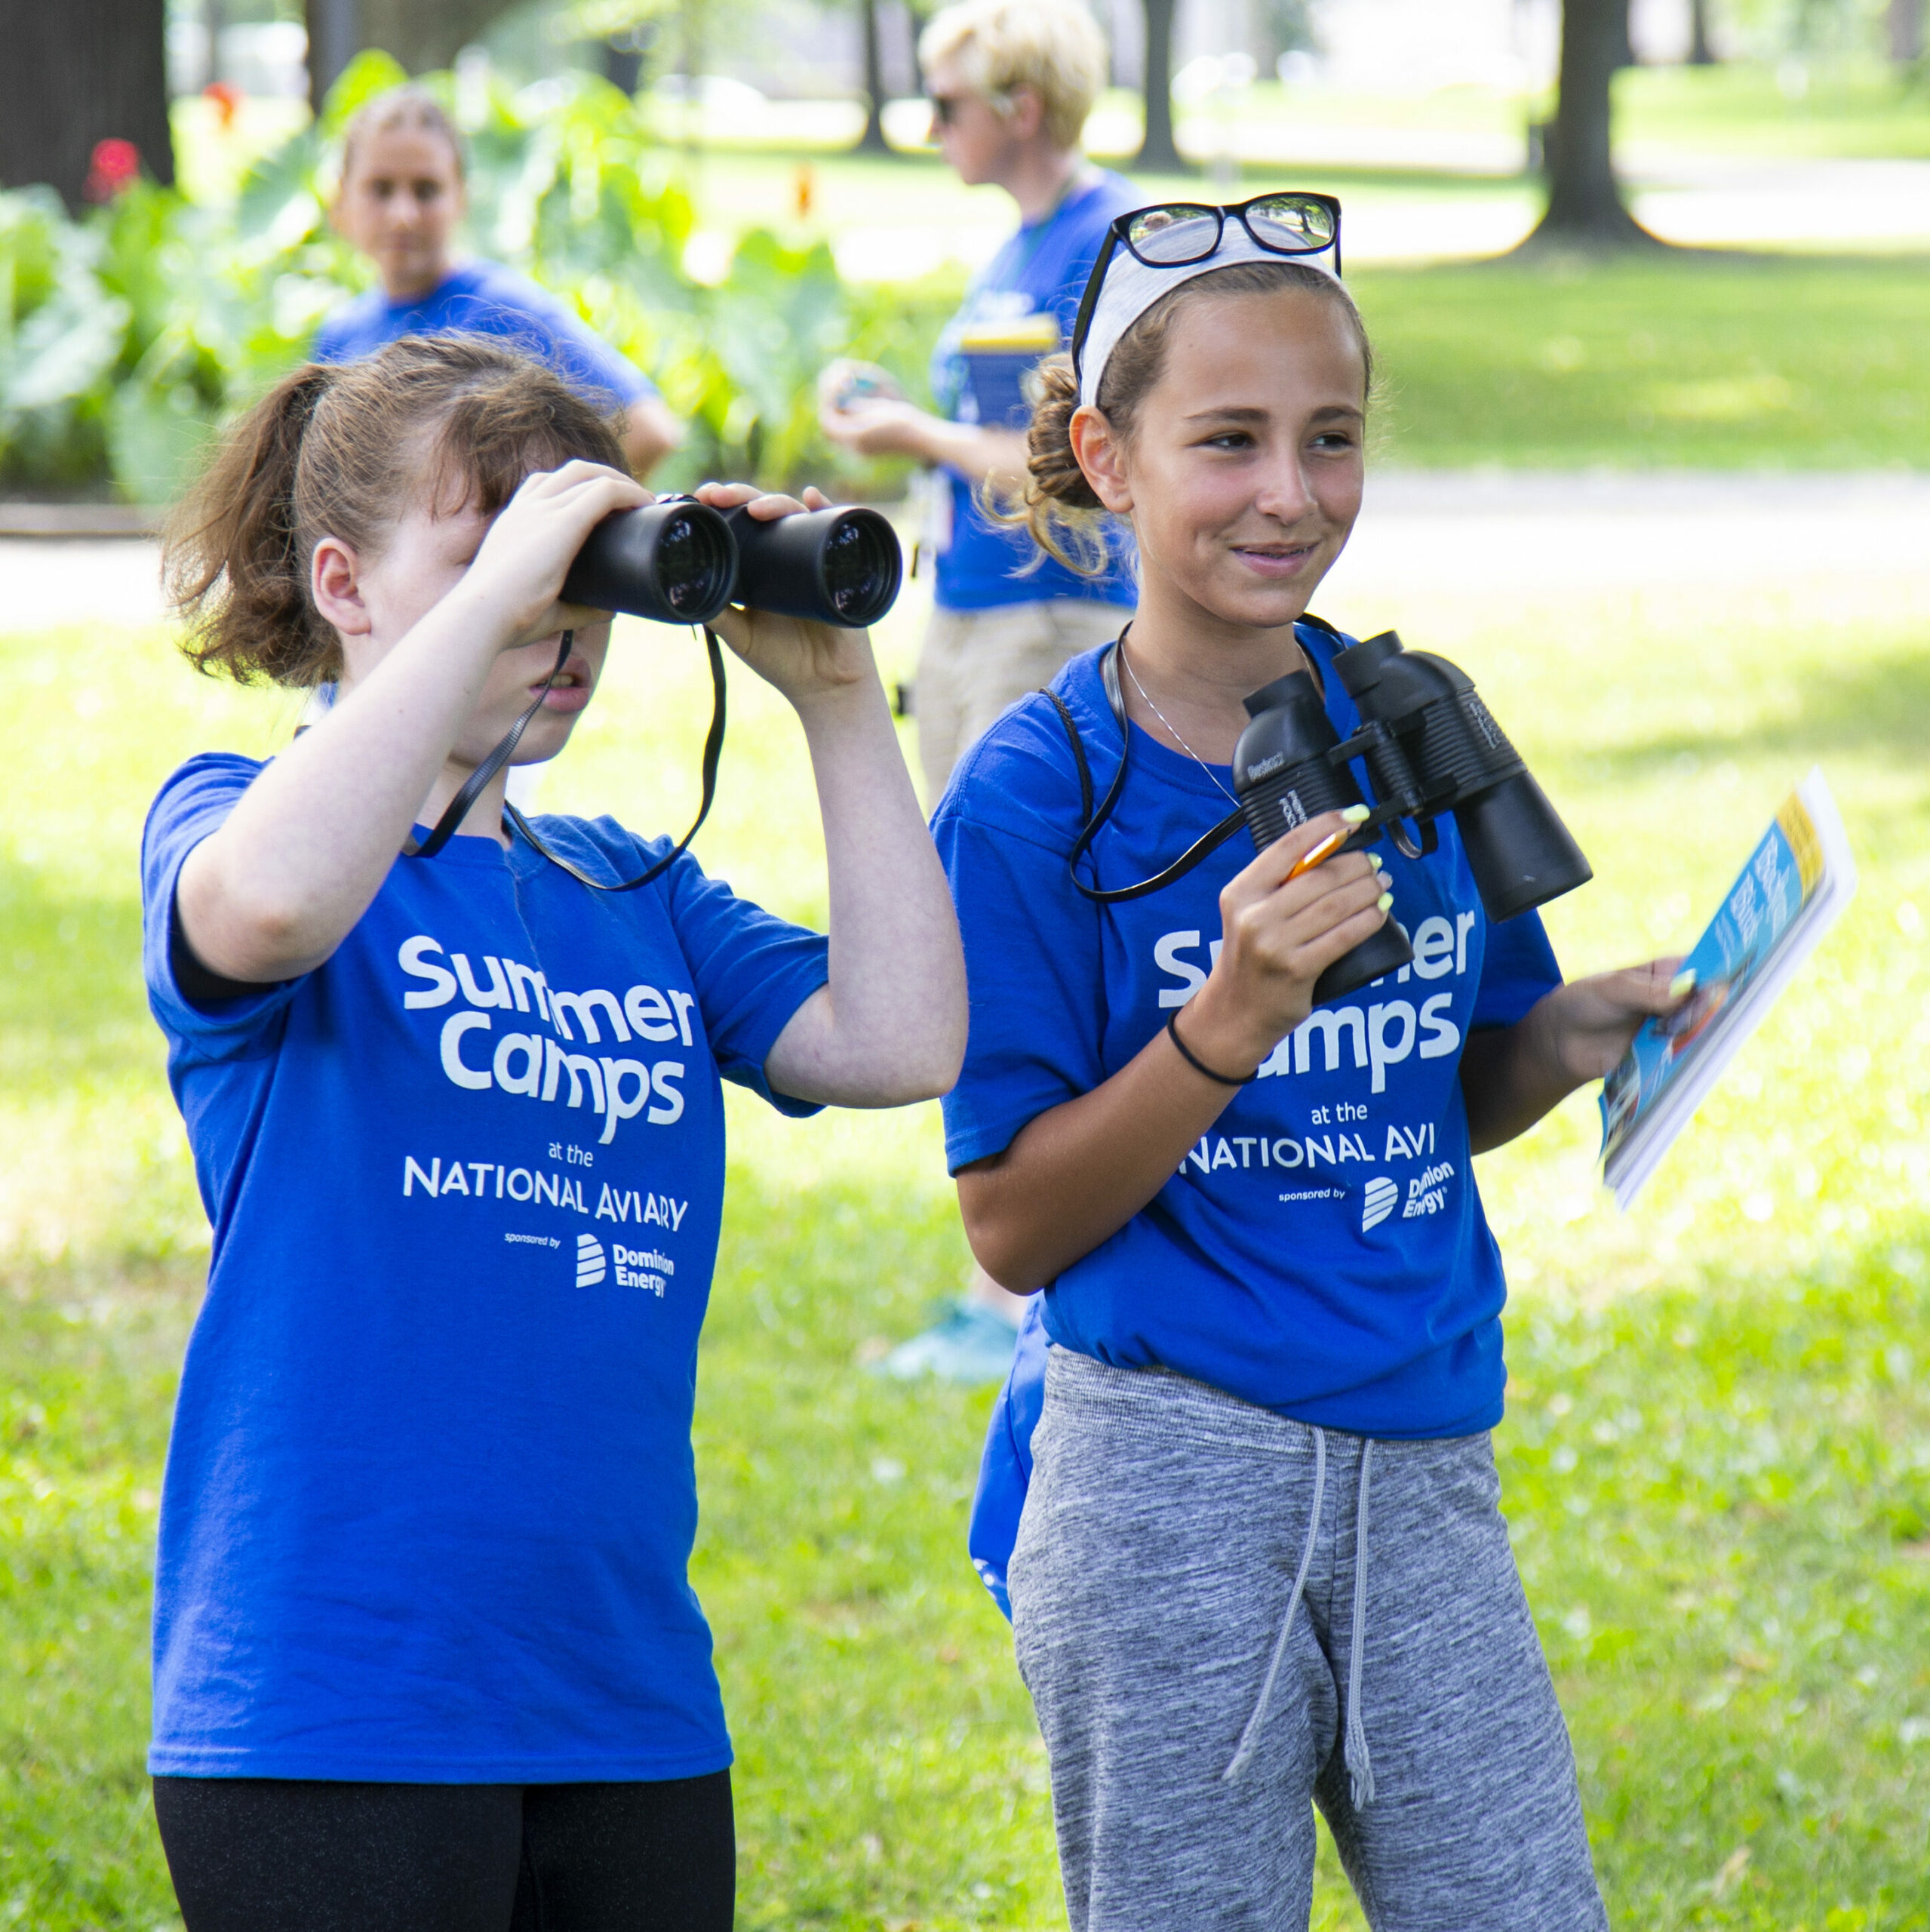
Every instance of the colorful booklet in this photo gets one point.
(1797, 882)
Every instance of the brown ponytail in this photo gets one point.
(342, 452)
(1058, 506)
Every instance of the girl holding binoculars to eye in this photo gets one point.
(1260, 1564)
(426, 1656)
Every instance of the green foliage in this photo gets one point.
(129, 335)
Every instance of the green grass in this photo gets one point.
(1856, 110)
(1683, 361)
(1715, 1460)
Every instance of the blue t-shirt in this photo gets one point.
(485, 298)
(1043, 269)
(430, 1493)
(1322, 1252)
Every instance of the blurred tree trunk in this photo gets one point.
(72, 75)
(1157, 151)
(1585, 208)
(1905, 22)
(421, 34)
(873, 141)
(1701, 53)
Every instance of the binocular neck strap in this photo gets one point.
(1201, 849)
(458, 808)
(713, 753)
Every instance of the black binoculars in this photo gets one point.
(679, 562)
(1430, 746)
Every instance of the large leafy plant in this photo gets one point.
(127, 336)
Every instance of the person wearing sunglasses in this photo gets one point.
(1011, 82)
(1239, 1491)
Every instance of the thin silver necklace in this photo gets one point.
(1176, 738)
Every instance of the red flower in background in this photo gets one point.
(227, 98)
(117, 166)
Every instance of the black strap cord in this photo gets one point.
(459, 806)
(1201, 849)
(713, 752)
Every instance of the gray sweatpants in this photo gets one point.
(1222, 1614)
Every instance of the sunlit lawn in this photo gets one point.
(1717, 1457)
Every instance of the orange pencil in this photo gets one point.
(1318, 854)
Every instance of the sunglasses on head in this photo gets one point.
(1176, 234)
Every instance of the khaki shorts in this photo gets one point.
(977, 663)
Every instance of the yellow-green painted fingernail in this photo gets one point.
(1682, 984)
(1386, 899)
(1356, 814)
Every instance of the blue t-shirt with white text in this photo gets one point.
(1042, 269)
(1322, 1252)
(485, 298)
(430, 1494)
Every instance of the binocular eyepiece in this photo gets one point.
(679, 562)
(1288, 768)
(1430, 746)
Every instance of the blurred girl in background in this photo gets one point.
(401, 201)
(426, 1659)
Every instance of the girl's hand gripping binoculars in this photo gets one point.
(1431, 746)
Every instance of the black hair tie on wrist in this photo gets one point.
(1192, 1059)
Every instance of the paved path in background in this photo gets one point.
(1505, 534)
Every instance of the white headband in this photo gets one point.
(1130, 288)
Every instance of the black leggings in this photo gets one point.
(288, 1855)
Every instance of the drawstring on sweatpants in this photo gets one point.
(1249, 1738)
(1359, 1767)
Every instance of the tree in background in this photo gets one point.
(421, 34)
(1904, 20)
(1701, 53)
(1585, 206)
(75, 75)
(1157, 153)
(873, 141)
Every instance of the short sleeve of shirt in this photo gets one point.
(1034, 1029)
(1517, 968)
(752, 970)
(484, 298)
(194, 802)
(556, 334)
(331, 343)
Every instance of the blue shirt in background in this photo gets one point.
(1043, 269)
(485, 298)
(1322, 1252)
(430, 1494)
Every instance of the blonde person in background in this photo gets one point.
(1011, 82)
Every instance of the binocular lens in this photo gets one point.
(689, 557)
(852, 574)
(829, 567)
(673, 561)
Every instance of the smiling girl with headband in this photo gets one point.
(426, 1658)
(1260, 1560)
